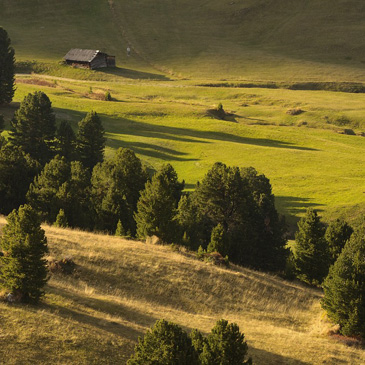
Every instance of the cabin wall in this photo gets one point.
(99, 61)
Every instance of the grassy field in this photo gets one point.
(308, 162)
(245, 40)
(120, 288)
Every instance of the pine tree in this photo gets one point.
(217, 241)
(225, 345)
(33, 127)
(337, 234)
(7, 68)
(61, 219)
(66, 141)
(90, 141)
(165, 343)
(17, 171)
(156, 208)
(344, 287)
(23, 269)
(120, 230)
(116, 187)
(311, 254)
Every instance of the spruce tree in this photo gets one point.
(156, 208)
(311, 255)
(217, 241)
(90, 141)
(23, 269)
(337, 234)
(33, 127)
(344, 287)
(7, 68)
(165, 343)
(61, 219)
(66, 141)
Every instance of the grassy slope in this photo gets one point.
(122, 287)
(245, 39)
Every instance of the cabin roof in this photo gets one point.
(82, 55)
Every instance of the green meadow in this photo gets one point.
(307, 158)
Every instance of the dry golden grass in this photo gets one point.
(120, 288)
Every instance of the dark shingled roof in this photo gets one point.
(82, 55)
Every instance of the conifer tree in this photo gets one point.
(337, 234)
(66, 141)
(61, 219)
(311, 256)
(225, 345)
(17, 171)
(156, 208)
(23, 270)
(33, 127)
(165, 343)
(120, 229)
(344, 287)
(90, 141)
(7, 68)
(217, 241)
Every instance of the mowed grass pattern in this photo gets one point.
(120, 288)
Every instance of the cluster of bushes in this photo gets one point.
(167, 343)
(334, 258)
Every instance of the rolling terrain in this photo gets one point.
(120, 288)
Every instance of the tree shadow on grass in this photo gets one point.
(104, 307)
(133, 74)
(260, 356)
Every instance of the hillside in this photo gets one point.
(120, 288)
(241, 39)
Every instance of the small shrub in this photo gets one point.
(294, 111)
(61, 219)
(64, 266)
(120, 229)
(108, 96)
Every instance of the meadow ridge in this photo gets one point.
(120, 288)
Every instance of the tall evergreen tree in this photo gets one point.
(17, 171)
(156, 208)
(217, 241)
(90, 141)
(337, 234)
(66, 141)
(23, 270)
(34, 126)
(116, 187)
(7, 68)
(311, 256)
(344, 287)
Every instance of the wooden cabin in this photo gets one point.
(89, 58)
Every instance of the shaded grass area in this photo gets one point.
(120, 288)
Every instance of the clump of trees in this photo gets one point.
(166, 343)
(7, 68)
(344, 287)
(23, 270)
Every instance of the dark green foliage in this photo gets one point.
(217, 241)
(7, 68)
(242, 203)
(337, 234)
(2, 122)
(61, 219)
(42, 194)
(225, 345)
(156, 208)
(116, 186)
(90, 139)
(62, 185)
(23, 267)
(344, 287)
(33, 127)
(17, 171)
(66, 141)
(166, 344)
(108, 97)
(311, 255)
